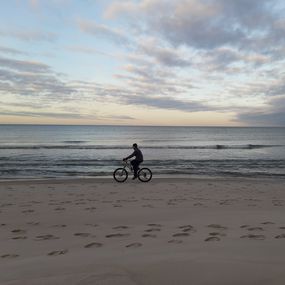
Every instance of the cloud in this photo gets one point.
(102, 31)
(88, 50)
(166, 103)
(27, 66)
(47, 115)
(163, 55)
(12, 51)
(31, 78)
(273, 115)
(29, 36)
(206, 24)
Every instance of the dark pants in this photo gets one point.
(135, 164)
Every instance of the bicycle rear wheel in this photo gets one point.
(120, 175)
(145, 174)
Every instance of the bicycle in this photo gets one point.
(121, 174)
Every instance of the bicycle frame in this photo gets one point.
(127, 164)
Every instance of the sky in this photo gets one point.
(143, 62)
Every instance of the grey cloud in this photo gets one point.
(103, 31)
(29, 35)
(167, 103)
(26, 66)
(263, 119)
(208, 24)
(13, 51)
(47, 114)
(163, 55)
(274, 115)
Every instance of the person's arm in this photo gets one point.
(130, 156)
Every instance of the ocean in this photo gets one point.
(49, 151)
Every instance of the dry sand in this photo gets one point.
(169, 231)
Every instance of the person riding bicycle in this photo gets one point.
(137, 161)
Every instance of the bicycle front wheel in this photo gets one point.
(145, 174)
(120, 175)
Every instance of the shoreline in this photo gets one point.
(110, 179)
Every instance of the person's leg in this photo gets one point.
(135, 165)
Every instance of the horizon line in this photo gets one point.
(110, 125)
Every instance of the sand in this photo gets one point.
(168, 231)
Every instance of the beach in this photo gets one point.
(168, 231)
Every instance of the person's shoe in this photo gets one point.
(135, 177)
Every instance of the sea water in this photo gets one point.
(37, 151)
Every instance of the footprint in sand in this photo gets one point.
(244, 226)
(18, 231)
(20, 237)
(149, 235)
(255, 229)
(181, 235)
(2, 225)
(147, 206)
(93, 244)
(254, 237)
(59, 226)
(134, 245)
(120, 227)
(175, 241)
(217, 234)
(280, 236)
(82, 234)
(57, 252)
(9, 255)
(154, 225)
(187, 228)
(215, 238)
(28, 211)
(90, 208)
(217, 226)
(282, 228)
(59, 209)
(46, 237)
(117, 235)
(33, 223)
(267, 223)
(92, 225)
(153, 230)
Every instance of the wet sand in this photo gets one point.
(168, 231)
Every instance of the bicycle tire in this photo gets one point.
(144, 174)
(120, 175)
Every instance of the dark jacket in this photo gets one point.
(138, 155)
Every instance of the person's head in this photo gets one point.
(135, 146)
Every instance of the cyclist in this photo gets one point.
(137, 161)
